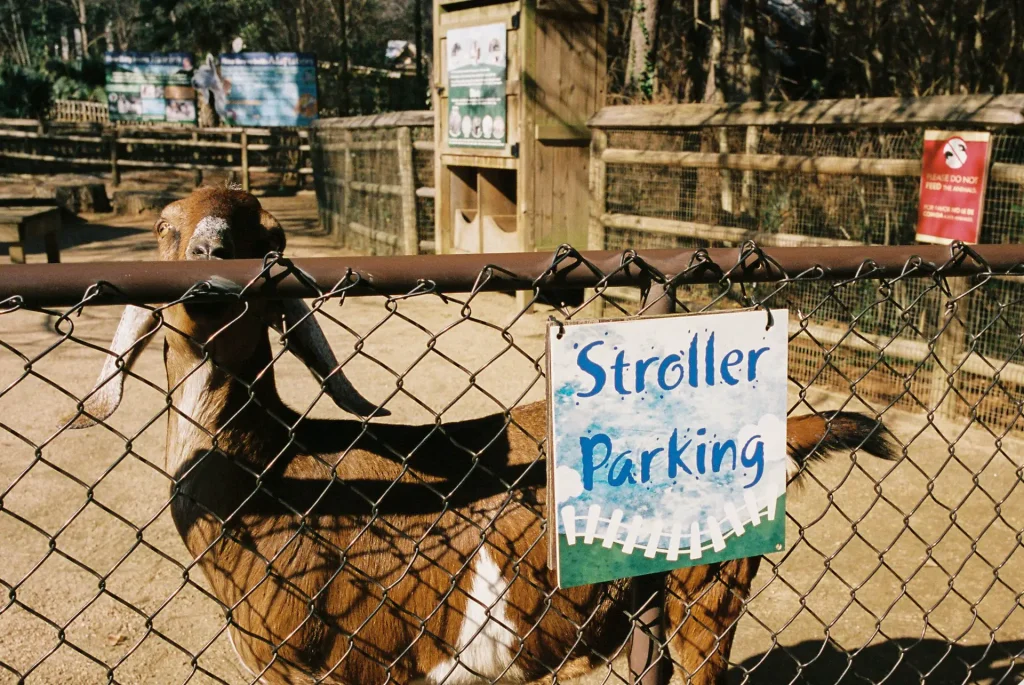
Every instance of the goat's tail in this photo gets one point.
(816, 436)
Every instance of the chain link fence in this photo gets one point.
(226, 509)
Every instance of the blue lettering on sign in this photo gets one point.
(725, 457)
(671, 371)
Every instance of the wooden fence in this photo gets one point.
(843, 172)
(85, 111)
(40, 146)
(374, 181)
(838, 172)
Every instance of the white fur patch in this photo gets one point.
(792, 468)
(209, 228)
(194, 402)
(252, 673)
(486, 644)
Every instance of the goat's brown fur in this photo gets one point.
(348, 552)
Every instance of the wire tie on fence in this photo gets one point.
(272, 259)
(11, 304)
(215, 285)
(561, 326)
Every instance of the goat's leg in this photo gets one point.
(702, 606)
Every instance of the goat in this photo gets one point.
(361, 552)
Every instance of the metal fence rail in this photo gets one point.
(894, 572)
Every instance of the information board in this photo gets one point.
(668, 440)
(269, 89)
(954, 174)
(150, 87)
(477, 65)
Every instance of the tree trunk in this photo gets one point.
(712, 93)
(83, 29)
(417, 20)
(642, 34)
(343, 56)
(301, 24)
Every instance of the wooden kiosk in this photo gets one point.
(515, 83)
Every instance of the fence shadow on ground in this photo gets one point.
(904, 660)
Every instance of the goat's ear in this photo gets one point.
(134, 332)
(275, 234)
(306, 340)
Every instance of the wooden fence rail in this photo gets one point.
(154, 147)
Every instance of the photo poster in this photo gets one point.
(668, 440)
(477, 72)
(153, 87)
(269, 89)
(954, 175)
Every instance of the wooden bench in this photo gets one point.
(21, 222)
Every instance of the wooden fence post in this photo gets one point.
(244, 142)
(197, 174)
(115, 175)
(747, 184)
(598, 206)
(410, 236)
(341, 227)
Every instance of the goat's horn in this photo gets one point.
(133, 334)
(306, 340)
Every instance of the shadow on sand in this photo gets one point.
(821, 662)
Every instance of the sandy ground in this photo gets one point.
(892, 573)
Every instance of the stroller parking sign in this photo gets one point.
(668, 440)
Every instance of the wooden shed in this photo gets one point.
(515, 83)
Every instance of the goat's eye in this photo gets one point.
(163, 227)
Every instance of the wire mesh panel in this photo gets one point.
(234, 518)
(362, 182)
(862, 207)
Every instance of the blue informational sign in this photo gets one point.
(269, 89)
(669, 442)
(150, 87)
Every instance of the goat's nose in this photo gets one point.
(210, 250)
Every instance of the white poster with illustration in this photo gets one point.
(476, 86)
(668, 441)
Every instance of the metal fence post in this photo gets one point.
(244, 142)
(410, 237)
(648, 664)
(948, 351)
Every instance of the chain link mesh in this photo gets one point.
(894, 572)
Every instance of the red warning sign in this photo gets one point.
(954, 171)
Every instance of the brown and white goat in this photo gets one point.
(371, 553)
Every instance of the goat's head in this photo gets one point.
(212, 224)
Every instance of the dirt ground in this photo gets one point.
(896, 573)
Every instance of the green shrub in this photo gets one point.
(24, 92)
